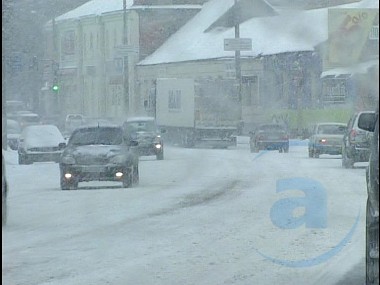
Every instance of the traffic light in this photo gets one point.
(55, 87)
(55, 67)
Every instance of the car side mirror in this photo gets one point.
(61, 145)
(133, 143)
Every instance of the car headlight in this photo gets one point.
(118, 159)
(158, 145)
(68, 160)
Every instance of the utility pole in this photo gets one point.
(238, 66)
(3, 75)
(125, 59)
(237, 52)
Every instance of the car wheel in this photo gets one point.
(372, 247)
(23, 159)
(65, 185)
(316, 154)
(346, 161)
(128, 178)
(160, 155)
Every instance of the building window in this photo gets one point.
(174, 102)
(68, 43)
(374, 33)
(335, 91)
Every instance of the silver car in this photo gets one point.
(326, 138)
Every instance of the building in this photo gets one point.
(285, 74)
(91, 53)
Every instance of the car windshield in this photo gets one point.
(205, 142)
(103, 136)
(331, 129)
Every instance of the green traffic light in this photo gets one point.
(55, 88)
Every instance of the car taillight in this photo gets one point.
(353, 134)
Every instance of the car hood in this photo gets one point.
(48, 141)
(88, 151)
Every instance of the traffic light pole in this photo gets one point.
(238, 67)
(125, 59)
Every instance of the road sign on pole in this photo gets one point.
(235, 44)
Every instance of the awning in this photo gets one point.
(360, 68)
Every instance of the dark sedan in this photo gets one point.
(98, 153)
(269, 136)
(145, 131)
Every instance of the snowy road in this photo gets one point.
(200, 217)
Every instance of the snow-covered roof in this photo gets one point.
(360, 68)
(95, 7)
(98, 7)
(291, 30)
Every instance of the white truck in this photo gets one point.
(198, 112)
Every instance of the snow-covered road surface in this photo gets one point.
(199, 217)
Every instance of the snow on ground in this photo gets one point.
(201, 216)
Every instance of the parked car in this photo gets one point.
(98, 153)
(326, 138)
(372, 214)
(145, 131)
(269, 136)
(356, 140)
(4, 192)
(40, 143)
(13, 134)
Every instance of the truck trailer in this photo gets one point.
(203, 112)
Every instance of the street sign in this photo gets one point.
(237, 44)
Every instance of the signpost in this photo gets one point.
(235, 44)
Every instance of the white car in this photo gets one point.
(40, 143)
